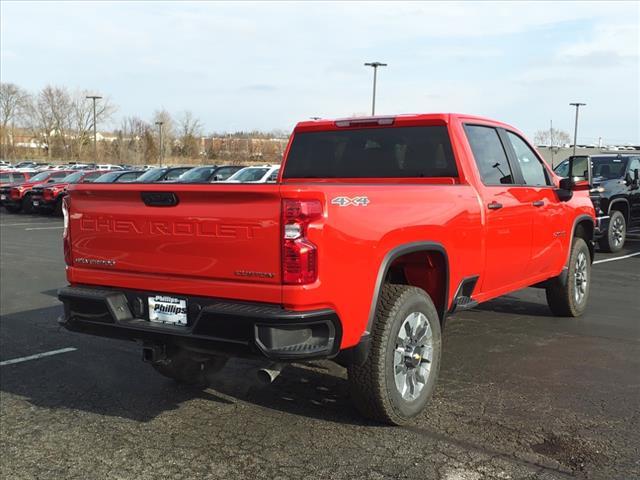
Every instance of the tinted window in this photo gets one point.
(174, 174)
(91, 176)
(608, 167)
(106, 178)
(489, 155)
(225, 172)
(532, 170)
(198, 174)
(372, 152)
(72, 178)
(152, 175)
(250, 174)
(40, 177)
(128, 177)
(59, 175)
(4, 177)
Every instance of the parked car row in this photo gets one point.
(42, 191)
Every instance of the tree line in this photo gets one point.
(57, 124)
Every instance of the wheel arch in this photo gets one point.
(622, 205)
(406, 259)
(583, 227)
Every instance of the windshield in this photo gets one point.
(107, 177)
(41, 176)
(198, 174)
(250, 174)
(73, 178)
(151, 175)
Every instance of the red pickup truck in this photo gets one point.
(376, 230)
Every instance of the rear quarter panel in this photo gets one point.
(353, 241)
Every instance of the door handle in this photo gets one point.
(494, 206)
(538, 203)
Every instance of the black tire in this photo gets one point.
(27, 206)
(182, 368)
(613, 240)
(561, 293)
(372, 384)
(58, 208)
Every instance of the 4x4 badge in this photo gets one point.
(346, 201)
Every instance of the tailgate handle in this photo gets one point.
(159, 199)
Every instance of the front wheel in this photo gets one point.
(399, 376)
(613, 240)
(567, 297)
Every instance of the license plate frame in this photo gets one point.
(3, 197)
(36, 203)
(168, 310)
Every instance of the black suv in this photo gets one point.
(615, 194)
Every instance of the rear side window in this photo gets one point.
(489, 154)
(372, 153)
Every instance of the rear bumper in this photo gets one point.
(601, 227)
(214, 326)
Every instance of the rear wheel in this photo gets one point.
(568, 297)
(399, 376)
(183, 368)
(614, 239)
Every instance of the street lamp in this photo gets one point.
(95, 131)
(575, 131)
(161, 149)
(375, 66)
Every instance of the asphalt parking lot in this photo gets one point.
(522, 394)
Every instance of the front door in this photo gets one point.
(509, 222)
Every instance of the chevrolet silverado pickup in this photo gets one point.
(377, 229)
(17, 196)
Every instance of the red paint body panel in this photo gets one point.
(224, 240)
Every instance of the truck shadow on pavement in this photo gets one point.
(108, 377)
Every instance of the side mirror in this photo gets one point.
(580, 172)
(578, 177)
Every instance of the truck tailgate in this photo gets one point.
(218, 232)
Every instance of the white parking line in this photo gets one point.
(44, 228)
(23, 224)
(604, 260)
(36, 356)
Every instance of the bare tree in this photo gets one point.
(551, 137)
(190, 131)
(82, 118)
(50, 117)
(13, 105)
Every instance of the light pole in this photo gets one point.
(375, 66)
(160, 134)
(575, 131)
(95, 127)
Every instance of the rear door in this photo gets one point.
(216, 232)
(508, 216)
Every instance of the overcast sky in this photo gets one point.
(268, 65)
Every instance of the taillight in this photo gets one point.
(66, 233)
(15, 193)
(47, 194)
(299, 255)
